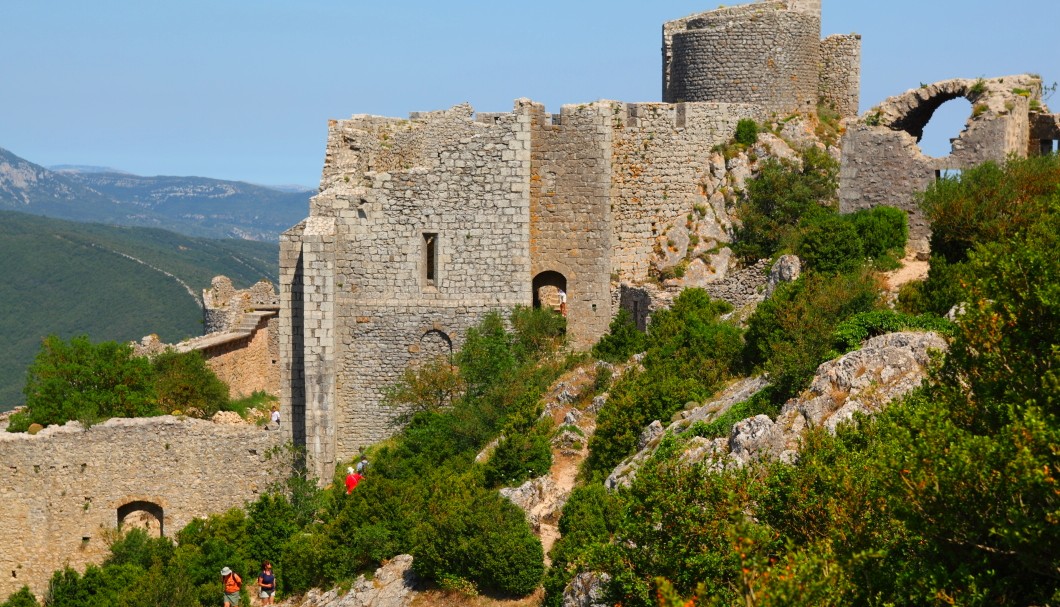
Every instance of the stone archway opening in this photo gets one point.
(945, 124)
(435, 344)
(549, 288)
(142, 515)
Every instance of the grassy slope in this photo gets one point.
(71, 278)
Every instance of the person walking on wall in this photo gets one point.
(352, 478)
(231, 583)
(266, 583)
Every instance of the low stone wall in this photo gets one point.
(62, 488)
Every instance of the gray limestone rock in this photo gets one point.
(393, 585)
(587, 590)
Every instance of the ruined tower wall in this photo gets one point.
(60, 489)
(660, 164)
(840, 80)
(427, 230)
(757, 53)
(570, 210)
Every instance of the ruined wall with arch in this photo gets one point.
(63, 488)
(882, 163)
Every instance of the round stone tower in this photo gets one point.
(767, 53)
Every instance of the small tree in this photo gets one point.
(431, 386)
(184, 382)
(85, 381)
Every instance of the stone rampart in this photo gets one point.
(63, 487)
(421, 228)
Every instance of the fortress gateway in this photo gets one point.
(423, 225)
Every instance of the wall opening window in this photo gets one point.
(430, 259)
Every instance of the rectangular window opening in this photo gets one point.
(430, 259)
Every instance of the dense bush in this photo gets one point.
(183, 382)
(519, 456)
(831, 244)
(850, 333)
(622, 340)
(780, 197)
(883, 230)
(22, 598)
(79, 380)
(989, 203)
(746, 132)
(85, 381)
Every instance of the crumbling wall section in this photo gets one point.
(61, 488)
(840, 76)
(663, 181)
(761, 53)
(570, 211)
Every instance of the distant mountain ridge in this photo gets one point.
(194, 206)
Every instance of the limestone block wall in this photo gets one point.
(759, 53)
(570, 211)
(662, 175)
(882, 163)
(840, 73)
(62, 487)
(249, 363)
(427, 231)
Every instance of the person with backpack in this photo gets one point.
(231, 583)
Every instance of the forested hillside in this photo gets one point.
(110, 283)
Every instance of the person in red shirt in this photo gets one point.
(352, 478)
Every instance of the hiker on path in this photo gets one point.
(231, 583)
(362, 465)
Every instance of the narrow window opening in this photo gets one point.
(430, 259)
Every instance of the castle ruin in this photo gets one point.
(423, 225)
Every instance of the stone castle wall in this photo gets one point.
(61, 488)
(757, 53)
(661, 162)
(357, 273)
(840, 82)
(570, 210)
(883, 165)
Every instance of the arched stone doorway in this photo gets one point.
(142, 515)
(547, 288)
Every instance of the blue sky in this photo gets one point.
(244, 89)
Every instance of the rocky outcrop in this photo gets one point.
(587, 590)
(649, 439)
(393, 585)
(861, 382)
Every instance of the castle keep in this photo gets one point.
(423, 225)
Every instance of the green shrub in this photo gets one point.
(519, 456)
(850, 333)
(83, 381)
(22, 598)
(777, 200)
(475, 534)
(183, 382)
(690, 354)
(938, 293)
(831, 244)
(883, 230)
(790, 334)
(746, 132)
(622, 339)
